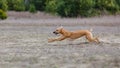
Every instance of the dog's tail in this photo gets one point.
(91, 29)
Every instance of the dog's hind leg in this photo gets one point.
(90, 38)
(97, 40)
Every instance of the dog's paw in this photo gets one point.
(50, 40)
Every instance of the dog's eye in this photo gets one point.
(56, 30)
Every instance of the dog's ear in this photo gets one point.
(61, 27)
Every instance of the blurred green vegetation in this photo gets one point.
(32, 8)
(3, 9)
(3, 15)
(3, 5)
(64, 8)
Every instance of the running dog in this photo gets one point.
(72, 35)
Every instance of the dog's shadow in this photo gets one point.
(71, 44)
(79, 43)
(89, 43)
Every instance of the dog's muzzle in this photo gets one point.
(55, 32)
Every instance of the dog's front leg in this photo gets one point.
(57, 39)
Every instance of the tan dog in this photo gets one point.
(73, 35)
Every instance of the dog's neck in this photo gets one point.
(65, 32)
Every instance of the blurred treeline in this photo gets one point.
(64, 8)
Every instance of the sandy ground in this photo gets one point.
(23, 42)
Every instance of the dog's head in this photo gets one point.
(61, 30)
(58, 30)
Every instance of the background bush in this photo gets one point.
(64, 8)
(32, 8)
(3, 9)
(3, 14)
(68, 8)
(39, 4)
(3, 5)
(109, 5)
(83, 8)
(17, 5)
(87, 8)
(118, 1)
(51, 6)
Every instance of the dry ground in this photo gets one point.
(23, 42)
